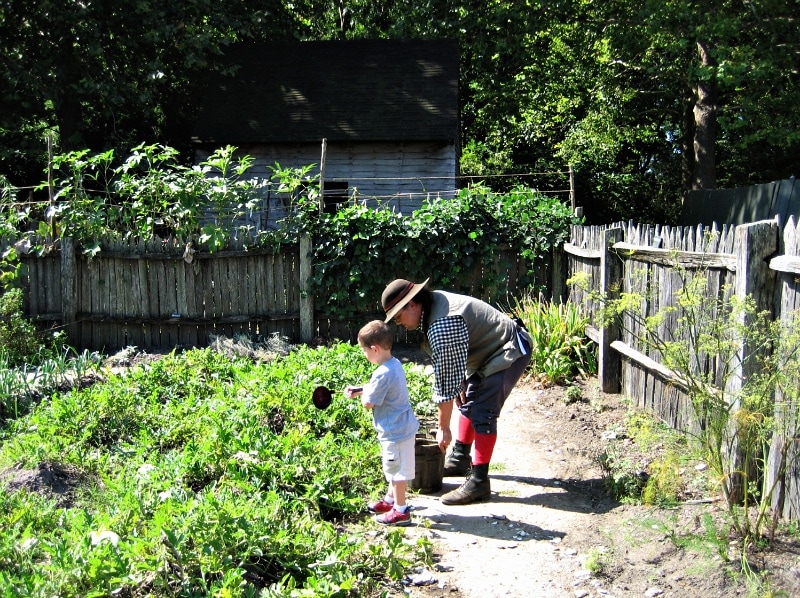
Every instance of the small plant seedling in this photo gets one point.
(573, 394)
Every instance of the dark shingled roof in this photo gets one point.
(369, 90)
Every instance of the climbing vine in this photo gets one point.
(355, 251)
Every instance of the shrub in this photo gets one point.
(560, 346)
(18, 339)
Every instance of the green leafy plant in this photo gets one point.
(734, 424)
(203, 474)
(560, 346)
(710, 539)
(646, 462)
(357, 250)
(664, 484)
(625, 477)
(19, 342)
(573, 394)
(149, 193)
(597, 560)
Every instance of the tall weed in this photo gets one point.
(560, 346)
(732, 361)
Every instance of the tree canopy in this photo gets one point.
(646, 99)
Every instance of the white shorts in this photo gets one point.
(398, 460)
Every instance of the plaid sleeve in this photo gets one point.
(449, 341)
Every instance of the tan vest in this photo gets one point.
(493, 343)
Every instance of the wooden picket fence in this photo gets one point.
(758, 260)
(156, 294)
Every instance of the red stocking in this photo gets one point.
(484, 447)
(466, 433)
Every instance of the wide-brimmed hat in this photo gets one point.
(397, 294)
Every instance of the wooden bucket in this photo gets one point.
(429, 465)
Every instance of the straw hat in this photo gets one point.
(397, 294)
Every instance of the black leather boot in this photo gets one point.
(458, 461)
(476, 488)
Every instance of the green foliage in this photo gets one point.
(710, 540)
(646, 462)
(606, 87)
(150, 193)
(560, 346)
(212, 476)
(19, 342)
(130, 73)
(12, 220)
(665, 484)
(21, 386)
(358, 250)
(355, 251)
(573, 394)
(597, 559)
(624, 476)
(31, 361)
(730, 359)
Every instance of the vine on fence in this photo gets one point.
(355, 251)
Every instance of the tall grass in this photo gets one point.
(561, 349)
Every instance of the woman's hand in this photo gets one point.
(443, 438)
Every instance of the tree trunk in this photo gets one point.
(687, 142)
(705, 126)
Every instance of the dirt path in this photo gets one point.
(520, 543)
(550, 518)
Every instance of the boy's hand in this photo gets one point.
(353, 391)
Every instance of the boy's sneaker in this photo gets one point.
(394, 517)
(380, 506)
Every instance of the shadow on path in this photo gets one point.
(487, 526)
(583, 496)
(579, 496)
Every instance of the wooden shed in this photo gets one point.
(387, 110)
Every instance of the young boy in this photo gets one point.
(387, 395)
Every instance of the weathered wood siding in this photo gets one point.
(649, 257)
(153, 295)
(786, 474)
(398, 175)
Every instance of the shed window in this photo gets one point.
(334, 195)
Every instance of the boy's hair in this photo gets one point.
(376, 333)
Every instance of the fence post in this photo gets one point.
(69, 274)
(306, 296)
(609, 364)
(753, 244)
(557, 280)
(783, 467)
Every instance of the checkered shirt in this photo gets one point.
(449, 341)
